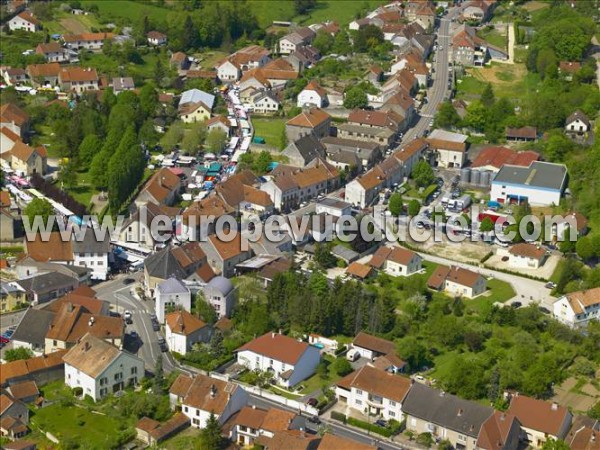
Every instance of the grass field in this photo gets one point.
(342, 11)
(499, 291)
(92, 431)
(270, 129)
(494, 37)
(315, 382)
(115, 9)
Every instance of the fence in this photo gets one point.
(281, 400)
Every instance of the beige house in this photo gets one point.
(78, 79)
(457, 281)
(27, 160)
(451, 148)
(224, 256)
(396, 261)
(162, 189)
(194, 112)
(313, 121)
(526, 256)
(445, 416)
(14, 118)
(540, 420)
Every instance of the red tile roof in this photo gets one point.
(538, 415)
(277, 347)
(498, 156)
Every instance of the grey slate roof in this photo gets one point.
(221, 284)
(45, 282)
(195, 96)
(308, 146)
(345, 253)
(538, 174)
(172, 286)
(90, 244)
(445, 410)
(123, 83)
(163, 264)
(33, 327)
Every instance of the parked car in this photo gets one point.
(544, 310)
(128, 281)
(155, 325)
(381, 423)
(4, 340)
(312, 402)
(162, 344)
(314, 419)
(550, 285)
(516, 304)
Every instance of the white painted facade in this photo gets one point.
(534, 195)
(453, 288)
(524, 262)
(125, 370)
(361, 401)
(182, 343)
(395, 268)
(97, 262)
(19, 23)
(162, 301)
(563, 312)
(199, 417)
(310, 97)
(451, 158)
(304, 367)
(576, 126)
(227, 71)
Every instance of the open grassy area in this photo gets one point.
(130, 10)
(315, 382)
(499, 291)
(110, 66)
(494, 37)
(271, 130)
(342, 11)
(91, 430)
(65, 23)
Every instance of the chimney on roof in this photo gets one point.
(213, 391)
(273, 335)
(253, 406)
(503, 416)
(87, 346)
(70, 307)
(554, 406)
(91, 321)
(442, 393)
(460, 412)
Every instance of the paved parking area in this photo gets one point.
(545, 272)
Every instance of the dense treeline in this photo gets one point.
(476, 352)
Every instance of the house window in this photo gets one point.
(197, 412)
(462, 438)
(359, 392)
(185, 409)
(392, 414)
(392, 403)
(358, 402)
(134, 370)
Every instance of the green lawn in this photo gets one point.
(494, 37)
(499, 291)
(271, 130)
(57, 26)
(130, 10)
(469, 88)
(110, 66)
(92, 431)
(316, 382)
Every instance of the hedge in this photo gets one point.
(338, 416)
(369, 426)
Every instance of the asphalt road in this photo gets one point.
(119, 294)
(439, 87)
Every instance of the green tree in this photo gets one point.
(204, 310)
(341, 44)
(194, 138)
(303, 6)
(174, 135)
(261, 164)
(323, 256)
(594, 411)
(396, 204)
(159, 376)
(446, 116)
(486, 225)
(323, 42)
(211, 434)
(355, 97)
(476, 117)
(567, 245)
(342, 366)
(414, 206)
(15, 354)
(216, 140)
(552, 444)
(89, 147)
(411, 350)
(148, 100)
(68, 174)
(487, 96)
(38, 207)
(423, 174)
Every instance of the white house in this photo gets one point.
(92, 253)
(156, 38)
(333, 207)
(220, 293)
(578, 308)
(577, 123)
(396, 261)
(253, 422)
(228, 71)
(457, 281)
(526, 256)
(100, 368)
(540, 184)
(264, 103)
(24, 21)
(171, 293)
(290, 361)
(370, 347)
(312, 95)
(183, 330)
(451, 148)
(200, 396)
(373, 391)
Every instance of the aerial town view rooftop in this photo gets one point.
(300, 224)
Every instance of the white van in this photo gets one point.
(352, 355)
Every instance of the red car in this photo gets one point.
(4, 340)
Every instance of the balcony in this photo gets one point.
(374, 401)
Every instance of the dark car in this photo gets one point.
(155, 325)
(544, 310)
(162, 344)
(314, 419)
(550, 285)
(381, 423)
(312, 402)
(128, 281)
(516, 304)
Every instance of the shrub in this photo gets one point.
(77, 391)
(425, 439)
(369, 426)
(338, 416)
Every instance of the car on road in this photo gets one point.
(128, 281)
(544, 310)
(550, 285)
(162, 344)
(134, 335)
(312, 402)
(516, 304)
(314, 419)
(4, 340)
(155, 325)
(128, 317)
